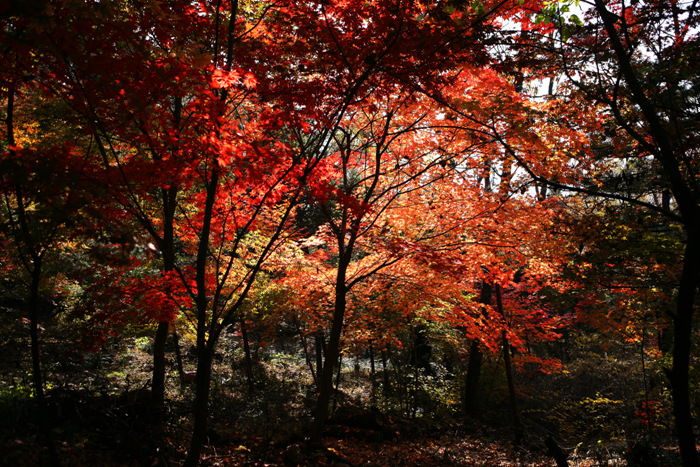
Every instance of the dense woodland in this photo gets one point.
(349, 232)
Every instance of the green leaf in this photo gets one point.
(478, 7)
(567, 31)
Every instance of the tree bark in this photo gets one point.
(307, 357)
(331, 357)
(169, 202)
(560, 457)
(158, 381)
(248, 358)
(204, 353)
(201, 405)
(37, 376)
(509, 369)
(178, 358)
(318, 348)
(372, 377)
(471, 384)
(386, 388)
(337, 380)
(682, 345)
(476, 358)
(206, 339)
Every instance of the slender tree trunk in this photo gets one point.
(649, 415)
(560, 457)
(476, 359)
(515, 416)
(202, 379)
(372, 377)
(206, 345)
(319, 345)
(472, 382)
(158, 382)
(412, 395)
(337, 381)
(305, 347)
(248, 358)
(509, 369)
(332, 353)
(682, 345)
(37, 376)
(204, 353)
(178, 358)
(169, 196)
(201, 405)
(386, 389)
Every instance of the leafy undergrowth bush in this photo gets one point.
(604, 404)
(102, 416)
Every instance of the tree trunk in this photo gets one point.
(556, 452)
(168, 258)
(471, 384)
(201, 405)
(386, 389)
(204, 353)
(33, 257)
(682, 345)
(319, 345)
(337, 381)
(509, 369)
(37, 376)
(158, 382)
(332, 353)
(476, 359)
(248, 358)
(178, 358)
(372, 377)
(682, 189)
(305, 348)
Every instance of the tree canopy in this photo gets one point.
(377, 179)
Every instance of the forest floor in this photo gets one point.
(94, 430)
(101, 416)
